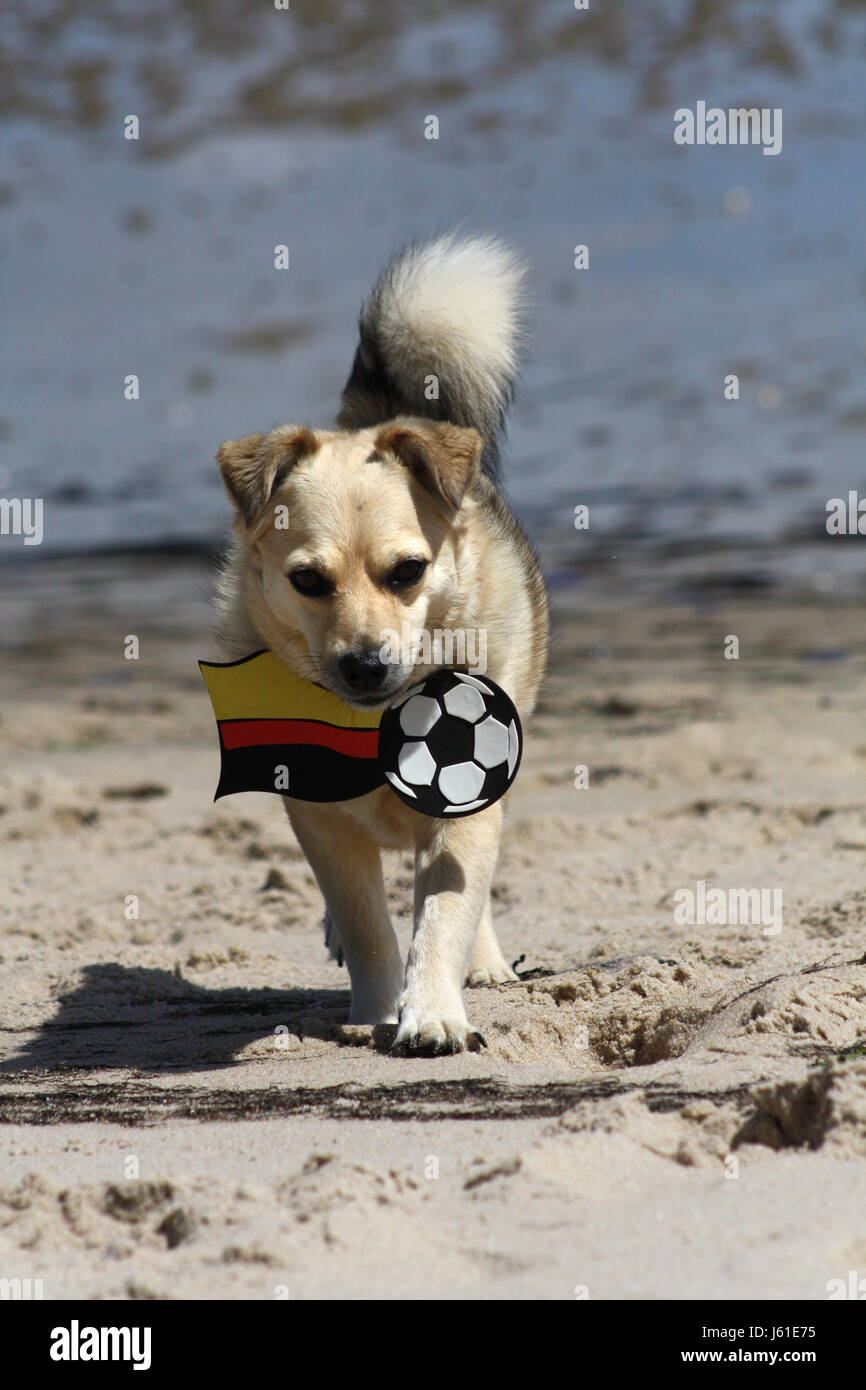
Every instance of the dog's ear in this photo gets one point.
(253, 467)
(444, 458)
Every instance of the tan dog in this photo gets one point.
(394, 518)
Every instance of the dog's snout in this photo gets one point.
(363, 671)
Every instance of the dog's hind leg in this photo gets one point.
(333, 944)
(487, 965)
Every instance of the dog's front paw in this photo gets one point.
(431, 1032)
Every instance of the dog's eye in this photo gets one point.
(407, 572)
(310, 582)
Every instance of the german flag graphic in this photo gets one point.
(279, 733)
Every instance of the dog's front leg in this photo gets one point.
(454, 863)
(348, 867)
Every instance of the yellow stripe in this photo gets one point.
(261, 687)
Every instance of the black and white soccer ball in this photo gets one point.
(451, 745)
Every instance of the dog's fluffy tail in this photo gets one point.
(440, 336)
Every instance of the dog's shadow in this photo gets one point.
(152, 1020)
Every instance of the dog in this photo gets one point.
(394, 517)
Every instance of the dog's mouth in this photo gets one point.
(368, 702)
(378, 699)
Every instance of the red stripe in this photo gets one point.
(251, 733)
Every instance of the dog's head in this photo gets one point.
(347, 537)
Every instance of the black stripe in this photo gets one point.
(315, 774)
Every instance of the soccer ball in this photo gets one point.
(451, 745)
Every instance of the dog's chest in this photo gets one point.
(383, 816)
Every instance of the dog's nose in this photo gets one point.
(364, 672)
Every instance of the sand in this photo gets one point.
(663, 1110)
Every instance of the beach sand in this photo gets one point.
(663, 1109)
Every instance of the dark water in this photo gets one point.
(261, 127)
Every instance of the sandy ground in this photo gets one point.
(663, 1110)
